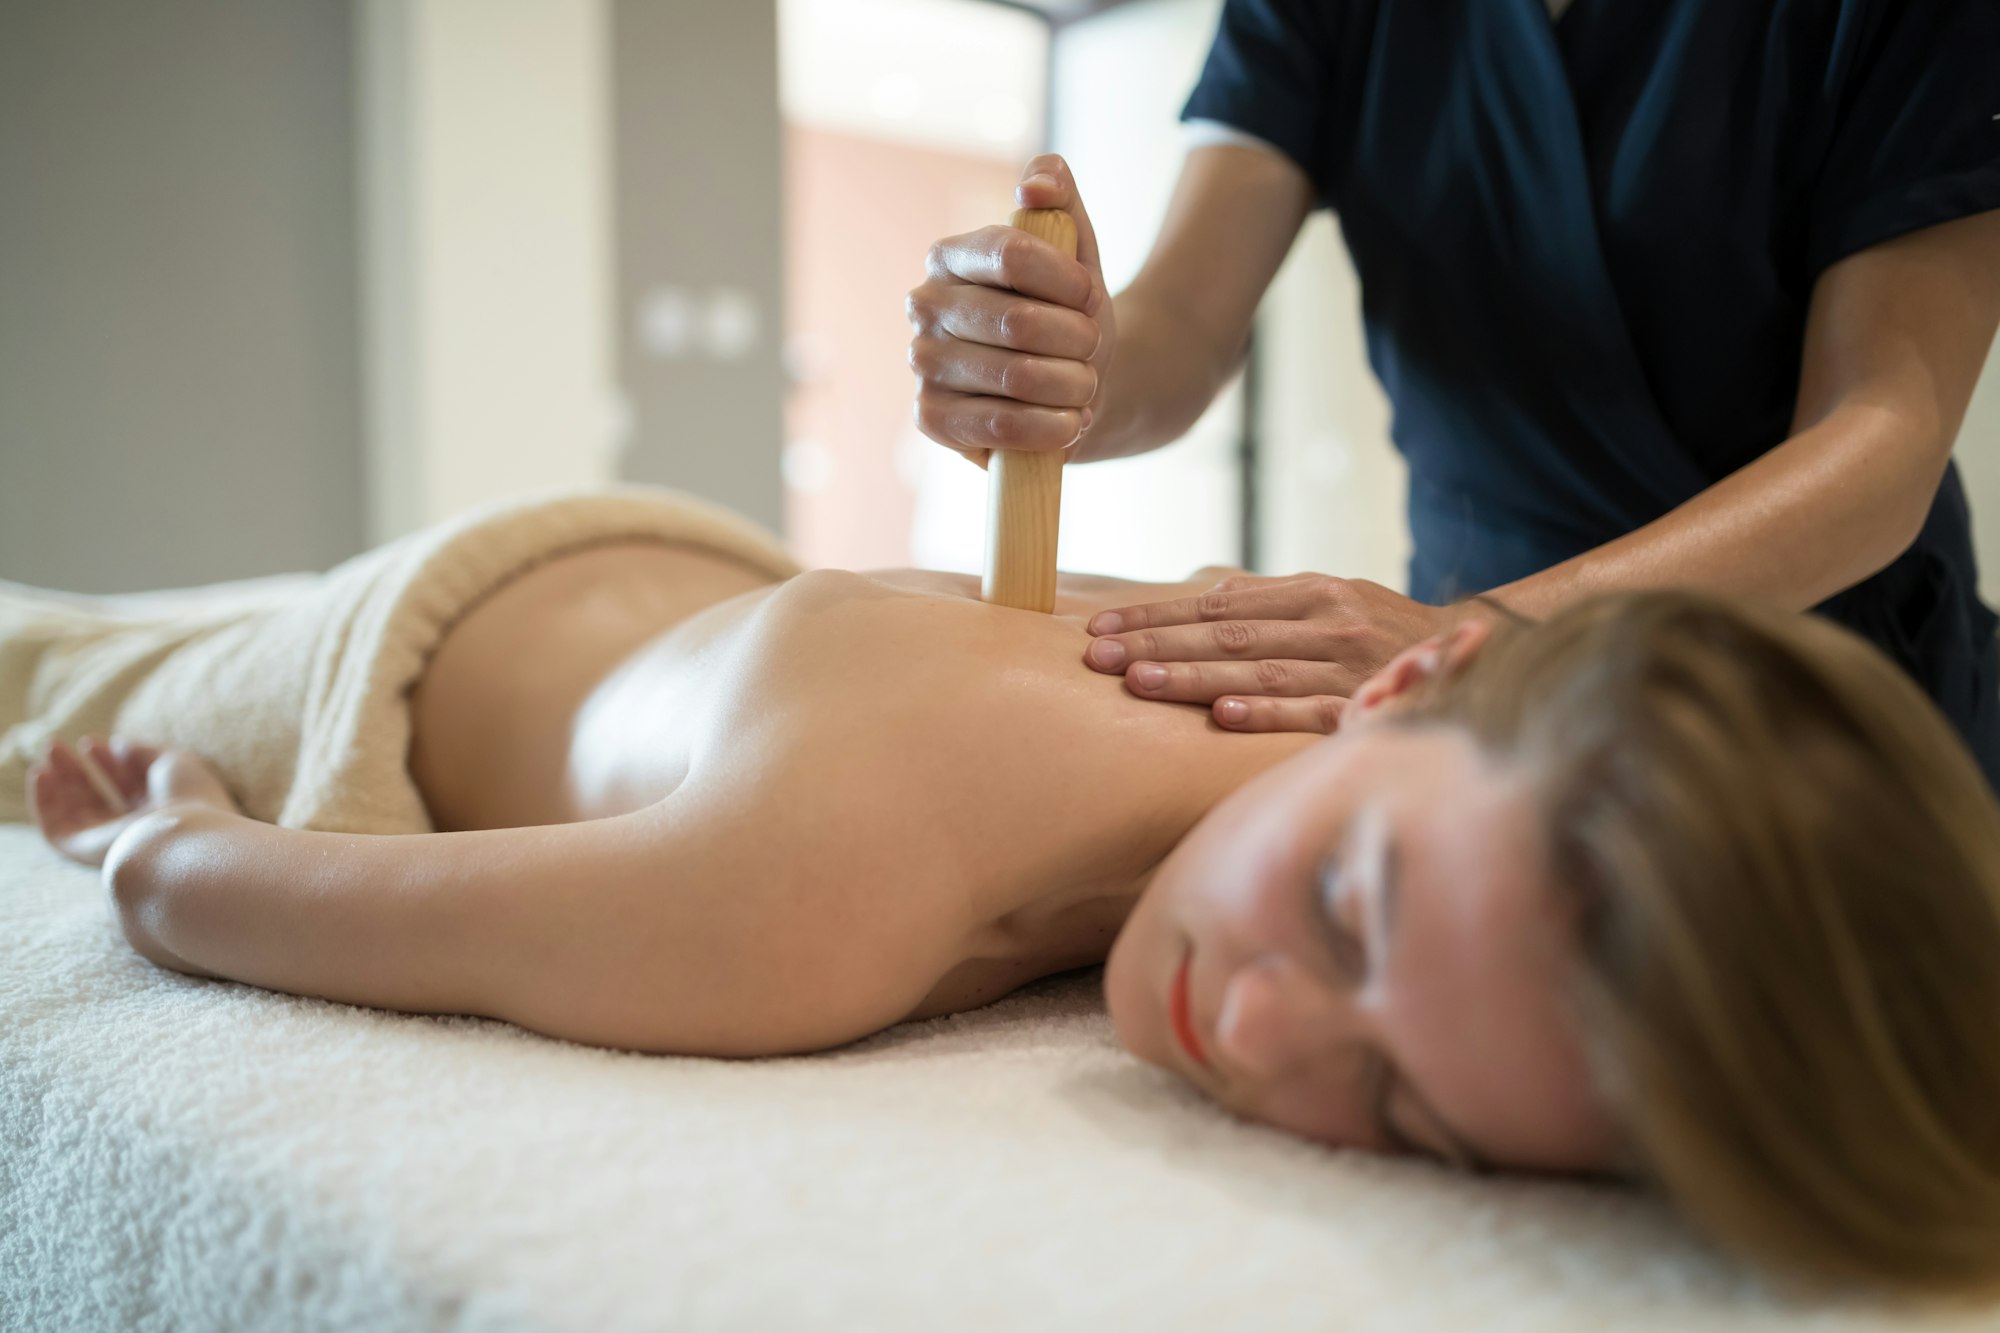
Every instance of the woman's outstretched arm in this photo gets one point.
(660, 930)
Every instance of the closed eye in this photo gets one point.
(1349, 954)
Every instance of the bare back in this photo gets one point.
(886, 737)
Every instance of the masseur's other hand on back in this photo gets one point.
(1012, 336)
(1266, 654)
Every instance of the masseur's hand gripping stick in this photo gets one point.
(1024, 486)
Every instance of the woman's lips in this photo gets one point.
(1179, 1009)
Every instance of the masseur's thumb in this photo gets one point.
(1046, 182)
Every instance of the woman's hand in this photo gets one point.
(1268, 654)
(83, 798)
(1012, 336)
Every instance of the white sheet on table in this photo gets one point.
(187, 1154)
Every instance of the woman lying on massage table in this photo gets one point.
(1665, 887)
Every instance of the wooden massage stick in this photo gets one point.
(1024, 486)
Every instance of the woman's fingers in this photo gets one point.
(1318, 713)
(84, 796)
(41, 787)
(139, 761)
(79, 795)
(104, 770)
(47, 796)
(74, 814)
(1205, 682)
(94, 779)
(180, 776)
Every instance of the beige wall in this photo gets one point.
(179, 390)
(540, 172)
(851, 258)
(1119, 80)
(485, 151)
(1330, 484)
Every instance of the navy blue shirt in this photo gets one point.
(1587, 252)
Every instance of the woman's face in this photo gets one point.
(1372, 958)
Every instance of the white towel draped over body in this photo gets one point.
(296, 688)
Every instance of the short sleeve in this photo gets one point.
(1268, 74)
(1915, 92)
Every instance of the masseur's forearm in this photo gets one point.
(1162, 377)
(1184, 322)
(1819, 513)
(1895, 340)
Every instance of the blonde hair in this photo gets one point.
(1787, 874)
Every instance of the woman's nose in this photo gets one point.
(1275, 1013)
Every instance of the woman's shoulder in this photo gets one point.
(977, 733)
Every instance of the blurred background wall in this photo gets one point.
(180, 395)
(487, 268)
(283, 278)
(699, 208)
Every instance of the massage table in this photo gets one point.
(187, 1154)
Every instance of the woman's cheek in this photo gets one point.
(1124, 996)
(1319, 1109)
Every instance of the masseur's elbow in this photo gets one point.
(1909, 506)
(1891, 460)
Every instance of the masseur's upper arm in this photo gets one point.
(668, 929)
(1233, 216)
(1900, 331)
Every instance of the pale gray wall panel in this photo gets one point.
(698, 183)
(178, 364)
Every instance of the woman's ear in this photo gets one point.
(1443, 654)
(1463, 641)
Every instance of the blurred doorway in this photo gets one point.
(904, 121)
(910, 120)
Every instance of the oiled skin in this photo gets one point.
(707, 796)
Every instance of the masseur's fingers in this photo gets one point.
(1319, 713)
(1244, 597)
(969, 367)
(1205, 682)
(1011, 260)
(1007, 326)
(1010, 321)
(1222, 641)
(1047, 183)
(983, 422)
